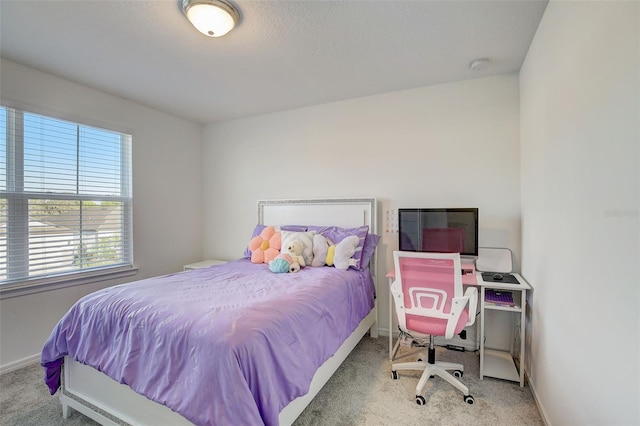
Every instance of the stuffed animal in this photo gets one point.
(338, 255)
(265, 246)
(290, 260)
(321, 255)
(344, 251)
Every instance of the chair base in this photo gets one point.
(434, 368)
(440, 369)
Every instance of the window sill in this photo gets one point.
(38, 285)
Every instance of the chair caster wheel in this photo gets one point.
(469, 399)
(420, 400)
(458, 373)
(394, 375)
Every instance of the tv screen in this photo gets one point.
(439, 230)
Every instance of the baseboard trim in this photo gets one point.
(543, 413)
(383, 331)
(21, 363)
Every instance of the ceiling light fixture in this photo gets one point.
(479, 64)
(213, 18)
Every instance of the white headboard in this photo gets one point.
(343, 212)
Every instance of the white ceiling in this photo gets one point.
(283, 55)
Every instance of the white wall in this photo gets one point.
(580, 131)
(167, 206)
(451, 145)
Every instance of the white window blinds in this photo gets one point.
(65, 197)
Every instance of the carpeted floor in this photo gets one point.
(360, 393)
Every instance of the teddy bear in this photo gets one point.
(289, 260)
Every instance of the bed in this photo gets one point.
(242, 345)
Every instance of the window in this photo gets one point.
(65, 199)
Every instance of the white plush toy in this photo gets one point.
(294, 249)
(338, 255)
(345, 250)
(289, 260)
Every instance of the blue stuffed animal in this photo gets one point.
(281, 264)
(289, 261)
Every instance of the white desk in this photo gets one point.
(499, 363)
(493, 363)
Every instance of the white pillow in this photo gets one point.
(306, 238)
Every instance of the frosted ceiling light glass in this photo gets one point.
(213, 18)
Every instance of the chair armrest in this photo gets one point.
(395, 288)
(397, 296)
(472, 294)
(458, 304)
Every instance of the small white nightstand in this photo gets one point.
(203, 264)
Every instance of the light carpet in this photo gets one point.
(361, 392)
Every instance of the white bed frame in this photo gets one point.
(110, 403)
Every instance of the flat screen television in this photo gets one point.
(441, 230)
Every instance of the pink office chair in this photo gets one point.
(427, 292)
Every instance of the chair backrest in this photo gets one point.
(425, 286)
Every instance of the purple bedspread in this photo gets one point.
(229, 344)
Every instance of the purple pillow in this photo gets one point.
(337, 234)
(370, 245)
(258, 229)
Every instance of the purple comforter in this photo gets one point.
(229, 344)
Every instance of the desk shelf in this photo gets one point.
(502, 308)
(517, 299)
(496, 363)
(500, 364)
